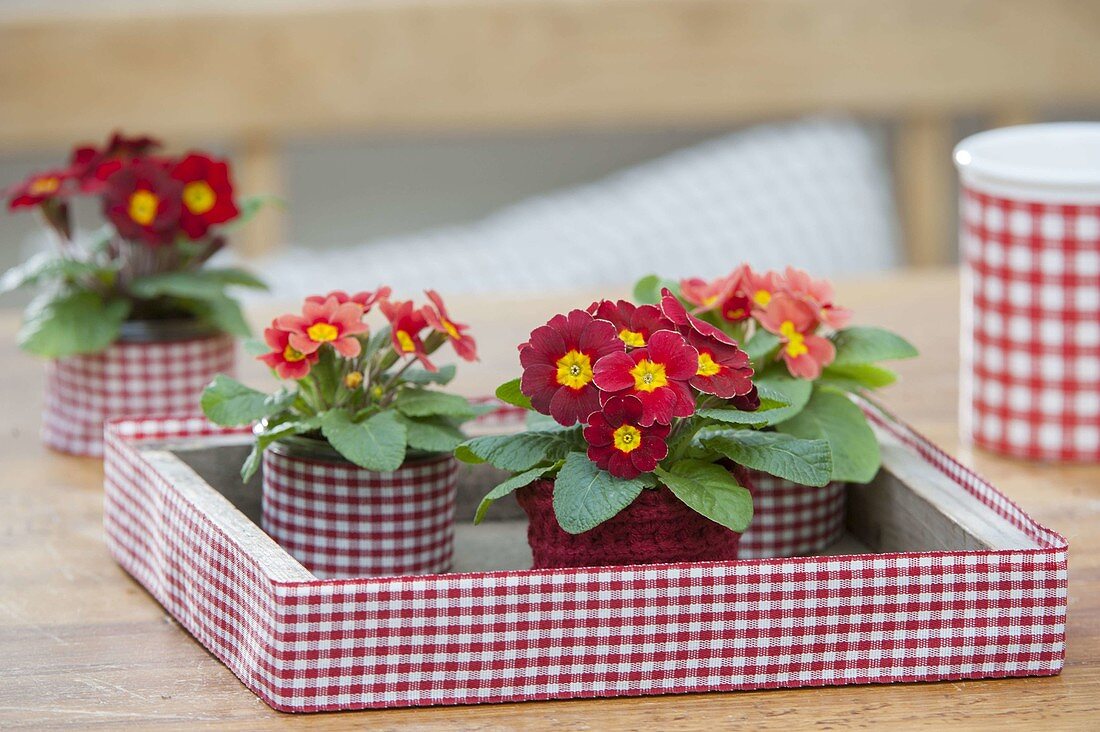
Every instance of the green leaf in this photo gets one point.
(49, 266)
(536, 422)
(425, 403)
(831, 416)
(514, 483)
(72, 323)
(760, 345)
(249, 206)
(585, 496)
(224, 313)
(228, 402)
(806, 462)
(233, 276)
(864, 345)
(189, 285)
(265, 438)
(523, 450)
(857, 376)
(255, 347)
(647, 291)
(423, 376)
(711, 491)
(509, 393)
(736, 416)
(432, 434)
(376, 444)
(795, 393)
(376, 342)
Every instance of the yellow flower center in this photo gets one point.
(44, 186)
(707, 366)
(627, 438)
(735, 314)
(710, 300)
(632, 338)
(796, 342)
(649, 376)
(574, 370)
(405, 341)
(292, 354)
(452, 331)
(143, 207)
(322, 332)
(762, 298)
(199, 197)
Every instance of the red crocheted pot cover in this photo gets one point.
(656, 528)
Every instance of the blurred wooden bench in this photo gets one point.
(254, 73)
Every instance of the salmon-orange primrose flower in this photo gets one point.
(438, 318)
(328, 322)
(288, 362)
(794, 321)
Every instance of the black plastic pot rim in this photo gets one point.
(167, 330)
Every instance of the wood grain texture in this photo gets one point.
(297, 67)
(83, 646)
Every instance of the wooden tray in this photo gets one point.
(939, 577)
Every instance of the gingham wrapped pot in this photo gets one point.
(341, 520)
(154, 369)
(655, 528)
(791, 520)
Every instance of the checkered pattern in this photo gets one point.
(340, 520)
(1031, 342)
(306, 645)
(127, 380)
(790, 520)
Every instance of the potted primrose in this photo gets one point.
(800, 343)
(660, 426)
(358, 475)
(133, 321)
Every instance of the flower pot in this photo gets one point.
(340, 520)
(156, 368)
(655, 529)
(790, 519)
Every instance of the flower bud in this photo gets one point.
(353, 380)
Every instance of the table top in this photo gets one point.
(83, 645)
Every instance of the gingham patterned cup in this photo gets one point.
(340, 520)
(1030, 233)
(791, 520)
(156, 370)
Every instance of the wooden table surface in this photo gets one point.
(82, 645)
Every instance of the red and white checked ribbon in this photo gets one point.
(303, 644)
(128, 380)
(340, 520)
(1031, 327)
(791, 520)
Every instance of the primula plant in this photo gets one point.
(663, 393)
(368, 395)
(165, 217)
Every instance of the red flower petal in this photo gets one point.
(671, 349)
(612, 372)
(570, 406)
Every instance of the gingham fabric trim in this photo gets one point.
(549, 634)
(340, 520)
(790, 520)
(127, 380)
(1031, 337)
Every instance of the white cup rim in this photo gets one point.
(1057, 154)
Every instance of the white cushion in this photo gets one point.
(814, 193)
